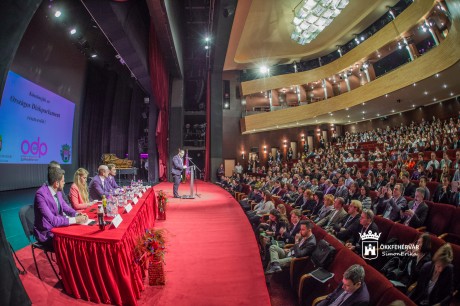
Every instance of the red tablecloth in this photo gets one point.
(99, 266)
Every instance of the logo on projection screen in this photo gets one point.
(35, 148)
(65, 153)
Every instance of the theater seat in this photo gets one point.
(310, 289)
(439, 218)
(392, 294)
(376, 283)
(452, 233)
(384, 227)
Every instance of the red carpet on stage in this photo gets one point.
(212, 256)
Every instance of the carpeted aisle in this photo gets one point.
(212, 256)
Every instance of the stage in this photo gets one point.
(212, 256)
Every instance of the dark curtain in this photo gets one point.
(111, 117)
(160, 87)
(207, 161)
(11, 289)
(15, 16)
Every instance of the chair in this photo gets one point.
(310, 289)
(392, 294)
(452, 233)
(439, 218)
(27, 217)
(384, 225)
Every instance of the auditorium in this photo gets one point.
(225, 152)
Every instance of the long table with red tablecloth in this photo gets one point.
(100, 265)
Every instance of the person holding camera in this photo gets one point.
(415, 213)
(390, 202)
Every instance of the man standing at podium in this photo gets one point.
(176, 171)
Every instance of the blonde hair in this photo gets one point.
(328, 198)
(282, 209)
(444, 255)
(82, 187)
(358, 205)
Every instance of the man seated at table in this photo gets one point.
(112, 176)
(51, 210)
(100, 185)
(305, 244)
(54, 164)
(351, 291)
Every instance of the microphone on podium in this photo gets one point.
(189, 158)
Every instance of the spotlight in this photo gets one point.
(73, 31)
(94, 55)
(206, 47)
(264, 70)
(57, 14)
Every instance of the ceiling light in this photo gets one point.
(451, 94)
(93, 55)
(364, 103)
(57, 14)
(349, 120)
(413, 105)
(425, 92)
(73, 31)
(386, 95)
(313, 17)
(392, 110)
(206, 39)
(434, 99)
(415, 84)
(437, 75)
(378, 115)
(347, 108)
(206, 47)
(444, 85)
(364, 112)
(364, 118)
(348, 116)
(264, 70)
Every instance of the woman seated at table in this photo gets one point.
(79, 190)
(436, 279)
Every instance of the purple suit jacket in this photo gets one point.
(113, 184)
(96, 190)
(47, 215)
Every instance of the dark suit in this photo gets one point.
(440, 196)
(442, 290)
(47, 214)
(306, 249)
(176, 171)
(420, 214)
(351, 228)
(342, 192)
(97, 190)
(289, 235)
(329, 190)
(409, 190)
(358, 298)
(390, 204)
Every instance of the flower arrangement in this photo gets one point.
(151, 245)
(162, 200)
